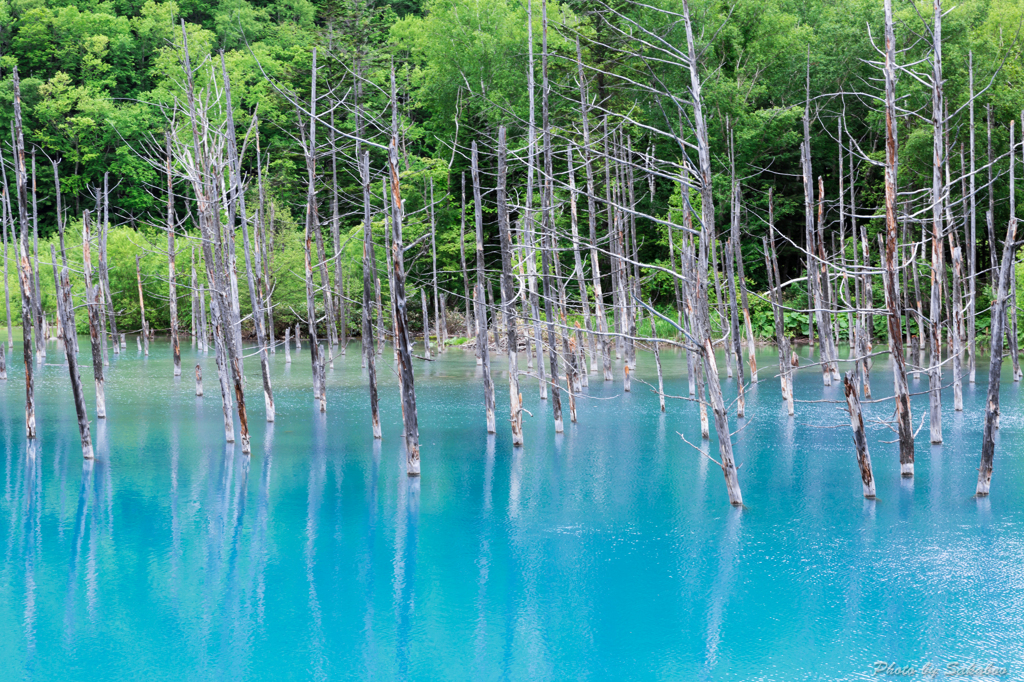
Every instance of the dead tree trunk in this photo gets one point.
(508, 297)
(199, 380)
(37, 307)
(24, 270)
(595, 269)
(657, 362)
(369, 353)
(548, 223)
(142, 308)
(937, 199)
(312, 227)
(723, 319)
(580, 276)
(740, 278)
(697, 301)
(107, 295)
(409, 417)
(772, 266)
(8, 219)
(958, 391)
(442, 332)
(470, 329)
(171, 281)
(254, 299)
(69, 349)
(426, 323)
(730, 249)
(988, 443)
(902, 395)
(1011, 309)
(479, 295)
(972, 237)
(202, 317)
(860, 441)
(93, 308)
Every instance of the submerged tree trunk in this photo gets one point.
(142, 308)
(171, 282)
(902, 395)
(937, 194)
(988, 443)
(76, 381)
(697, 300)
(24, 272)
(409, 417)
(657, 363)
(93, 308)
(595, 269)
(508, 296)
(369, 353)
(860, 441)
(730, 248)
(483, 351)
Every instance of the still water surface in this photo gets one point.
(606, 553)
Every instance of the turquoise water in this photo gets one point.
(606, 553)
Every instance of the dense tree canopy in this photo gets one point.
(98, 79)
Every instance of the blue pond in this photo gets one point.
(606, 553)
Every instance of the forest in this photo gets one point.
(839, 172)
(416, 339)
(97, 79)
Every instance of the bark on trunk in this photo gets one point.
(988, 443)
(369, 353)
(93, 307)
(142, 308)
(902, 395)
(508, 297)
(24, 272)
(657, 363)
(76, 381)
(171, 277)
(409, 417)
(730, 249)
(860, 441)
(697, 300)
(483, 352)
